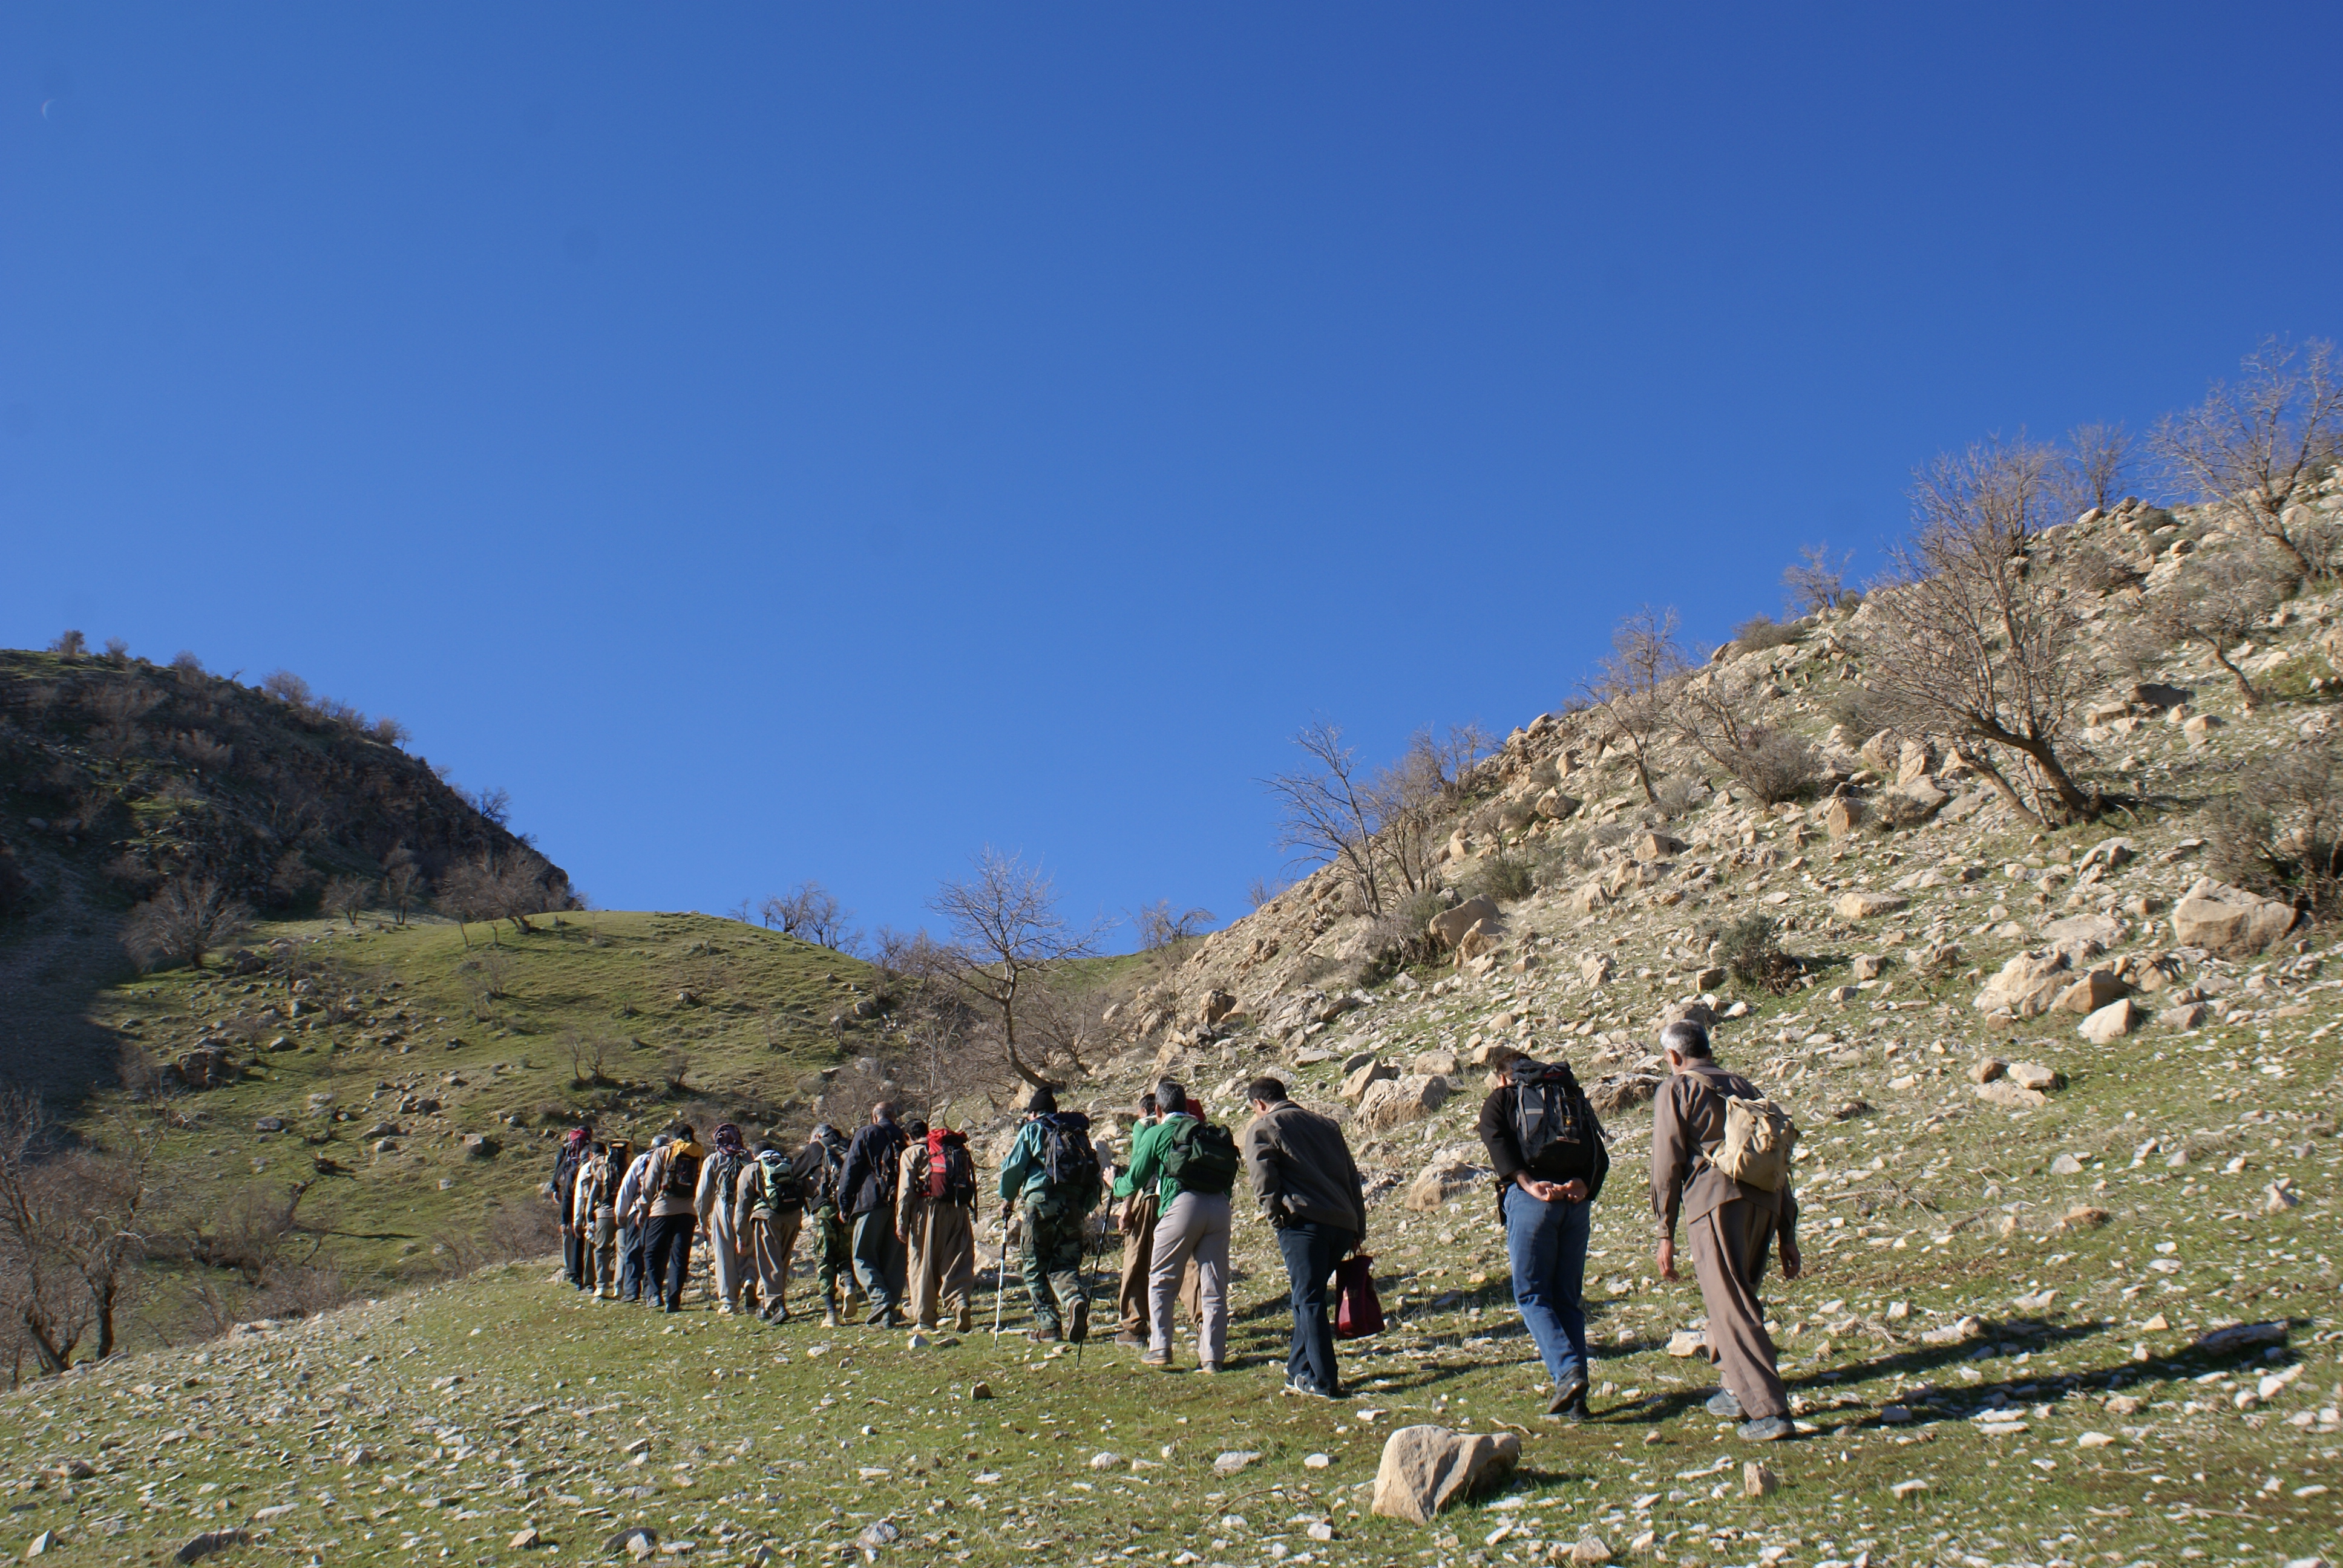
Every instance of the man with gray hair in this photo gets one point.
(1730, 1226)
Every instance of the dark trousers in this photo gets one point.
(879, 1262)
(631, 1242)
(573, 1257)
(1312, 1251)
(667, 1257)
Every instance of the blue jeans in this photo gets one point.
(1312, 1251)
(1547, 1244)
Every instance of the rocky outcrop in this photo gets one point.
(2228, 922)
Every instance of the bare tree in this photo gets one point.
(70, 645)
(1410, 795)
(512, 886)
(1008, 934)
(349, 897)
(2222, 600)
(1714, 712)
(1815, 580)
(1968, 644)
(2093, 469)
(1326, 812)
(811, 911)
(1630, 694)
(71, 1229)
(495, 804)
(403, 885)
(187, 917)
(2253, 448)
(1159, 926)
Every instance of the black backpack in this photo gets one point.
(887, 1161)
(1201, 1157)
(1070, 1166)
(682, 1174)
(822, 1190)
(1549, 1108)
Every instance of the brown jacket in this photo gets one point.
(1302, 1169)
(1687, 1126)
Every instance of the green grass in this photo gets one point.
(756, 1027)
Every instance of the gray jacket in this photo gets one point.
(1301, 1169)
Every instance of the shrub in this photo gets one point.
(2281, 833)
(1854, 709)
(1762, 632)
(1507, 879)
(70, 645)
(1751, 949)
(183, 921)
(1682, 794)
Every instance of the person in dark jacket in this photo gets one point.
(867, 1199)
(1548, 1203)
(575, 1243)
(1302, 1171)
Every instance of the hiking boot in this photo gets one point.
(1766, 1428)
(1575, 1411)
(1128, 1338)
(1155, 1358)
(965, 1321)
(1209, 1368)
(1724, 1405)
(779, 1313)
(1077, 1323)
(1571, 1390)
(829, 1319)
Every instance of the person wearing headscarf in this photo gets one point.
(716, 1203)
(575, 1147)
(819, 1169)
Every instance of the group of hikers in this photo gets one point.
(893, 1217)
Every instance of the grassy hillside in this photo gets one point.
(382, 1050)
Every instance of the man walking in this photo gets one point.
(669, 1196)
(575, 1145)
(935, 1205)
(1053, 1171)
(819, 1167)
(720, 1220)
(1136, 1222)
(867, 1199)
(1191, 1166)
(1731, 1225)
(594, 1199)
(633, 1237)
(1308, 1185)
(771, 1200)
(1545, 1145)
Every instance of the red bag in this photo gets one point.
(1358, 1311)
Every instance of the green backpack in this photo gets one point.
(1201, 1157)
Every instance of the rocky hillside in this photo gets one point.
(118, 777)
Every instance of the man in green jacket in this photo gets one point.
(1192, 1221)
(1056, 1213)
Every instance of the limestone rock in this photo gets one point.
(209, 1541)
(1586, 899)
(1442, 1062)
(2084, 1217)
(2192, 1015)
(1843, 817)
(1396, 1101)
(1438, 1183)
(2229, 920)
(1651, 847)
(1217, 1005)
(1915, 761)
(1868, 966)
(2066, 1165)
(1986, 1069)
(1623, 1093)
(1448, 927)
(2026, 986)
(1864, 904)
(2001, 1091)
(1553, 805)
(2033, 1075)
(1479, 942)
(1594, 967)
(2111, 1022)
(1758, 1480)
(1687, 1342)
(1364, 1077)
(2092, 993)
(1879, 753)
(1583, 1553)
(2082, 936)
(1427, 1468)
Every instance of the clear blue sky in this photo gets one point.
(819, 440)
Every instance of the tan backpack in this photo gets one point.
(1759, 1141)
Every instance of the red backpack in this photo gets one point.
(952, 1174)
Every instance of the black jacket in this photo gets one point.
(1555, 1162)
(868, 1181)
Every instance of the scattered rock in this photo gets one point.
(637, 1541)
(1587, 1549)
(1365, 1077)
(269, 1124)
(1103, 1459)
(2027, 986)
(2111, 1022)
(1868, 966)
(1957, 1332)
(1843, 817)
(2228, 922)
(1396, 1101)
(1229, 1463)
(1864, 905)
(1425, 1468)
(2066, 1165)
(1687, 1342)
(980, 1391)
(1623, 1091)
(2093, 1439)
(2092, 993)
(2186, 1017)
(1986, 1069)
(1758, 1480)
(524, 1539)
(2084, 1217)
(209, 1541)
(1448, 927)
(1439, 1182)
(1904, 1489)
(2033, 1075)
(2001, 1091)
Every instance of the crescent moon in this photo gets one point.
(45, 106)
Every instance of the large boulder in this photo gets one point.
(1427, 1468)
(1217, 1005)
(1657, 847)
(1484, 937)
(1396, 1101)
(2027, 986)
(1624, 1091)
(1553, 805)
(2111, 1022)
(2092, 993)
(1448, 927)
(1439, 1182)
(1587, 899)
(2229, 920)
(1843, 815)
(2084, 936)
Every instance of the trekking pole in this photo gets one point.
(1001, 1274)
(1091, 1248)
